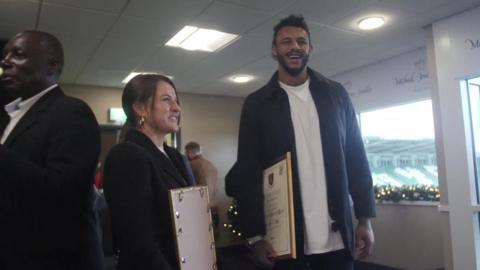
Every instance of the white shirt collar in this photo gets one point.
(13, 106)
(18, 104)
(18, 108)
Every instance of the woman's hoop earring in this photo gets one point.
(141, 121)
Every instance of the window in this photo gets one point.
(400, 145)
(473, 93)
(421, 160)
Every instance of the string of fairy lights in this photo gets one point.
(407, 193)
(232, 216)
(383, 193)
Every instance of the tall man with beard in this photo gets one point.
(301, 111)
(49, 146)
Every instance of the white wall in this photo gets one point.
(455, 56)
(393, 81)
(407, 236)
(99, 99)
(212, 121)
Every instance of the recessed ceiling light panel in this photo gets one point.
(241, 78)
(192, 38)
(133, 74)
(371, 23)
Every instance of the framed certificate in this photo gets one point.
(279, 215)
(192, 225)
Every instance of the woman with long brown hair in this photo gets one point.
(139, 172)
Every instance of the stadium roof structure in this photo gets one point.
(399, 147)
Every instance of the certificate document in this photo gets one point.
(192, 224)
(279, 216)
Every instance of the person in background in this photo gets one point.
(139, 172)
(189, 168)
(49, 147)
(301, 111)
(206, 174)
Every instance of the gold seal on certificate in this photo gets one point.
(279, 216)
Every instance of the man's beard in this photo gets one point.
(294, 72)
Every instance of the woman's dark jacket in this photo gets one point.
(137, 179)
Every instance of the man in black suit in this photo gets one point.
(49, 146)
(301, 111)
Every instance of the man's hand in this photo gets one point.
(364, 238)
(262, 254)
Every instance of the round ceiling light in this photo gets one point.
(241, 78)
(371, 23)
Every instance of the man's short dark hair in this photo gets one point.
(192, 146)
(292, 20)
(53, 46)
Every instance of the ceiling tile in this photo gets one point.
(263, 69)
(226, 88)
(110, 6)
(451, 8)
(167, 10)
(416, 6)
(326, 11)
(126, 47)
(393, 18)
(271, 6)
(118, 55)
(172, 61)
(139, 30)
(230, 18)
(75, 22)
(80, 32)
(337, 61)
(7, 31)
(330, 38)
(265, 30)
(16, 16)
(223, 86)
(244, 51)
(100, 77)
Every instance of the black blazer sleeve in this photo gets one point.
(358, 171)
(244, 180)
(68, 140)
(46, 177)
(128, 190)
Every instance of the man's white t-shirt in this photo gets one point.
(319, 237)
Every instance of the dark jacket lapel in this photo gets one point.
(277, 99)
(180, 163)
(167, 165)
(33, 114)
(4, 119)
